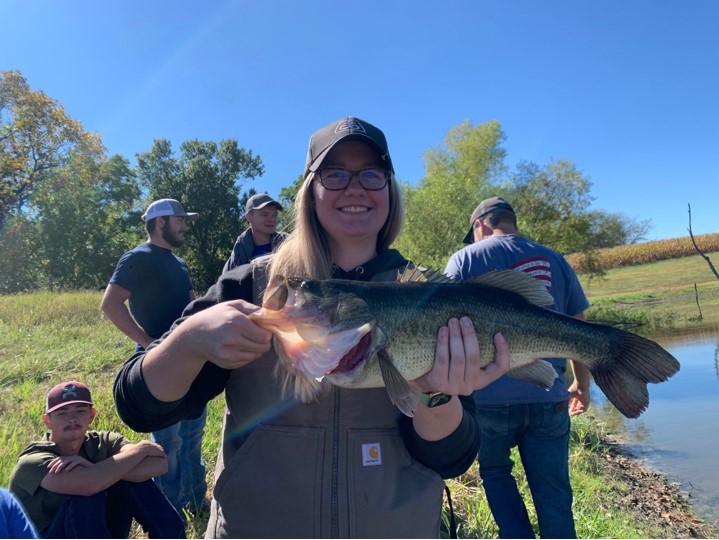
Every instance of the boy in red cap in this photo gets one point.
(79, 483)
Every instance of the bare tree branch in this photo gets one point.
(691, 235)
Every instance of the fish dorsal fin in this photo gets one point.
(417, 274)
(518, 282)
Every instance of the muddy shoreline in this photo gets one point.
(651, 497)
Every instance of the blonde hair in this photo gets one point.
(306, 253)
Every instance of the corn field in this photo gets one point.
(646, 252)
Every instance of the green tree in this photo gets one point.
(552, 201)
(84, 222)
(287, 199)
(553, 207)
(206, 178)
(36, 137)
(457, 176)
(18, 271)
(551, 204)
(611, 229)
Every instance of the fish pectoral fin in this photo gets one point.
(540, 373)
(399, 390)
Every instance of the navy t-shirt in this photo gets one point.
(262, 249)
(159, 285)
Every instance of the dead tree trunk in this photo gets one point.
(691, 235)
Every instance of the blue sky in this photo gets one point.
(627, 89)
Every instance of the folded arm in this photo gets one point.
(73, 475)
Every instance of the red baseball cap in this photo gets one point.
(66, 393)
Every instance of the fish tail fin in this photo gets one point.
(624, 377)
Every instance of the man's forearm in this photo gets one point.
(150, 467)
(582, 374)
(121, 318)
(89, 480)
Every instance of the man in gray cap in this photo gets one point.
(515, 413)
(156, 284)
(261, 237)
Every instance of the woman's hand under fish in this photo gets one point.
(457, 370)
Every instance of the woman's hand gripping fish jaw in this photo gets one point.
(306, 339)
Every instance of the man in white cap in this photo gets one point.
(261, 237)
(156, 284)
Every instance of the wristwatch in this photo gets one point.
(434, 399)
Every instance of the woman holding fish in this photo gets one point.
(347, 463)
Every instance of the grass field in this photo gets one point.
(46, 338)
(661, 289)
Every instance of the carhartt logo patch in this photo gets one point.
(350, 125)
(371, 454)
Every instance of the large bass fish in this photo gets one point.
(367, 334)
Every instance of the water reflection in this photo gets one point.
(678, 435)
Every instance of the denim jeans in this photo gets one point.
(109, 513)
(541, 433)
(184, 484)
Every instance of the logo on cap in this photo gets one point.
(69, 391)
(350, 124)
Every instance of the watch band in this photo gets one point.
(434, 399)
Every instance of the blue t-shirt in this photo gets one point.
(159, 285)
(14, 522)
(262, 249)
(514, 252)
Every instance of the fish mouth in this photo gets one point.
(355, 356)
(305, 334)
(311, 346)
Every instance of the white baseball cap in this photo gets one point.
(167, 207)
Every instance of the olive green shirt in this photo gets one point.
(40, 504)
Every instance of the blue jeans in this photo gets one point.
(184, 484)
(109, 513)
(541, 432)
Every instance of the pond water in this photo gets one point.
(678, 434)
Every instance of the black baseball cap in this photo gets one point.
(260, 200)
(348, 128)
(484, 208)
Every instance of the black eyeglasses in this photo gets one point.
(371, 179)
